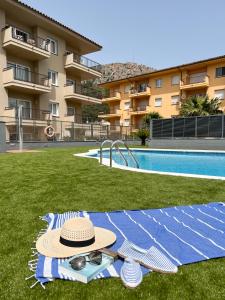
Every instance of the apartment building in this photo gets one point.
(163, 91)
(42, 67)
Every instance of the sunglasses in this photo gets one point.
(78, 263)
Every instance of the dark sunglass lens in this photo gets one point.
(78, 263)
(95, 258)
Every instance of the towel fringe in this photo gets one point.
(32, 264)
(33, 285)
(29, 277)
(42, 285)
(32, 260)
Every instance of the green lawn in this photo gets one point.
(33, 184)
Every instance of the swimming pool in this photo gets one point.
(203, 164)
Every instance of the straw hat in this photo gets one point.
(77, 235)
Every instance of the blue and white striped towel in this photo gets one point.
(184, 234)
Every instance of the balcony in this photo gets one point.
(21, 79)
(23, 45)
(113, 113)
(197, 81)
(82, 66)
(82, 94)
(139, 110)
(140, 92)
(75, 118)
(29, 116)
(69, 118)
(112, 96)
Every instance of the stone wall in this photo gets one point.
(190, 144)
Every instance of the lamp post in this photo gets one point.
(20, 124)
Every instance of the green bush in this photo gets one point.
(148, 117)
(143, 134)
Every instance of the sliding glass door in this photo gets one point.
(20, 72)
(26, 107)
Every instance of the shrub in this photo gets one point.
(148, 117)
(143, 134)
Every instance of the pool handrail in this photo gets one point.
(128, 150)
(101, 146)
(121, 154)
(118, 149)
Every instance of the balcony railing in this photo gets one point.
(84, 61)
(195, 79)
(34, 41)
(110, 94)
(140, 108)
(112, 111)
(139, 89)
(25, 75)
(29, 113)
(86, 91)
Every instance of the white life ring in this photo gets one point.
(49, 131)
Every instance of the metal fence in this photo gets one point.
(190, 127)
(34, 131)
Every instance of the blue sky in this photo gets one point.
(159, 33)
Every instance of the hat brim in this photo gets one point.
(49, 245)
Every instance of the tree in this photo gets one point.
(148, 117)
(143, 134)
(200, 106)
(90, 112)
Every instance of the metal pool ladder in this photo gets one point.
(115, 144)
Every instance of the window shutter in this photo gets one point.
(219, 94)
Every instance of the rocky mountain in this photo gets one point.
(110, 72)
(117, 71)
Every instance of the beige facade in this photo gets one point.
(163, 91)
(42, 66)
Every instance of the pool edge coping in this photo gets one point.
(106, 161)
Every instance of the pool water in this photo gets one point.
(187, 162)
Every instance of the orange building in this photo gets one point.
(163, 91)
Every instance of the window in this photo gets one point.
(175, 99)
(20, 72)
(158, 102)
(126, 122)
(113, 92)
(220, 72)
(53, 76)
(219, 94)
(127, 105)
(127, 88)
(70, 111)
(158, 83)
(142, 87)
(53, 45)
(197, 77)
(199, 95)
(26, 107)
(175, 79)
(70, 82)
(54, 109)
(20, 34)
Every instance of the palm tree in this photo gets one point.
(200, 106)
(152, 115)
(143, 134)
